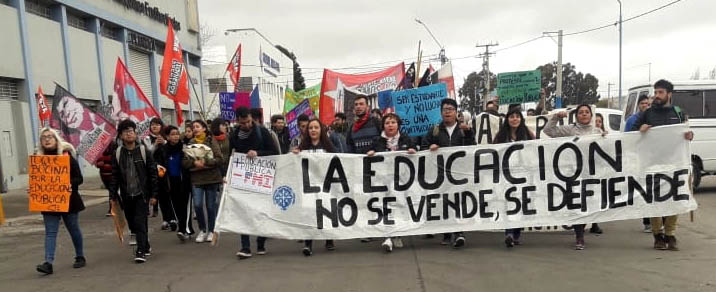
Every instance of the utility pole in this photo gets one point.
(558, 91)
(609, 94)
(486, 69)
(620, 55)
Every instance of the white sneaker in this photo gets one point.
(210, 237)
(132, 239)
(388, 245)
(647, 228)
(398, 242)
(201, 237)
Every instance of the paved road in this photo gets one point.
(619, 260)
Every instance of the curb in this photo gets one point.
(28, 219)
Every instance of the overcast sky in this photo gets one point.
(336, 34)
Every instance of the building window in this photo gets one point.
(194, 61)
(109, 31)
(76, 21)
(38, 7)
(9, 88)
(217, 85)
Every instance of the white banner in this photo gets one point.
(552, 182)
(486, 126)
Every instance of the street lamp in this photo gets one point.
(442, 57)
(620, 54)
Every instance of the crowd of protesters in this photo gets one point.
(182, 173)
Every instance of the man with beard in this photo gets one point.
(360, 134)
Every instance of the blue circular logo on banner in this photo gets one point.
(284, 197)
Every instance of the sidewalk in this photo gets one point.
(15, 202)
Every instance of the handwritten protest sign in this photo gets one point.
(227, 102)
(419, 108)
(255, 174)
(49, 187)
(293, 98)
(292, 117)
(519, 87)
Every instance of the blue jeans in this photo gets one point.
(52, 225)
(206, 193)
(514, 232)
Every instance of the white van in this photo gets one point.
(697, 98)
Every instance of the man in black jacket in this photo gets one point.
(661, 113)
(360, 134)
(278, 126)
(449, 133)
(253, 140)
(134, 176)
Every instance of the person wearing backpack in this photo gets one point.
(662, 113)
(449, 133)
(134, 176)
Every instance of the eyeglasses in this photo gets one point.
(46, 137)
(448, 109)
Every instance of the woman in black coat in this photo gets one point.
(52, 144)
(390, 139)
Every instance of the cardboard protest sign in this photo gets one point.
(292, 117)
(252, 174)
(419, 108)
(118, 219)
(2, 213)
(49, 186)
(554, 182)
(519, 87)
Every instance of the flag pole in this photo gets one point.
(201, 109)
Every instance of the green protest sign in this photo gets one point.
(519, 87)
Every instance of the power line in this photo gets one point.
(628, 19)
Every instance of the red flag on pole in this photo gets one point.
(173, 82)
(133, 102)
(234, 68)
(42, 109)
(180, 117)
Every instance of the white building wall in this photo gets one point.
(48, 60)
(85, 71)
(11, 57)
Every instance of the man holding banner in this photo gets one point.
(252, 140)
(448, 134)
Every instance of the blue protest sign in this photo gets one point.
(419, 108)
(227, 100)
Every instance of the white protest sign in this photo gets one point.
(552, 182)
(255, 174)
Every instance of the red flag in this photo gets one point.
(234, 68)
(42, 108)
(133, 102)
(173, 82)
(177, 108)
(334, 83)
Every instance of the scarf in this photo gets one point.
(221, 137)
(243, 134)
(200, 138)
(360, 122)
(391, 143)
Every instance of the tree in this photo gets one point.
(206, 33)
(577, 88)
(298, 81)
(472, 90)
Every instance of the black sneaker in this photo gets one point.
(447, 238)
(307, 251)
(45, 268)
(79, 262)
(595, 229)
(261, 251)
(330, 245)
(140, 257)
(173, 225)
(244, 254)
(509, 241)
(459, 241)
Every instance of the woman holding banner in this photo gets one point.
(315, 140)
(582, 127)
(390, 139)
(513, 129)
(52, 144)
